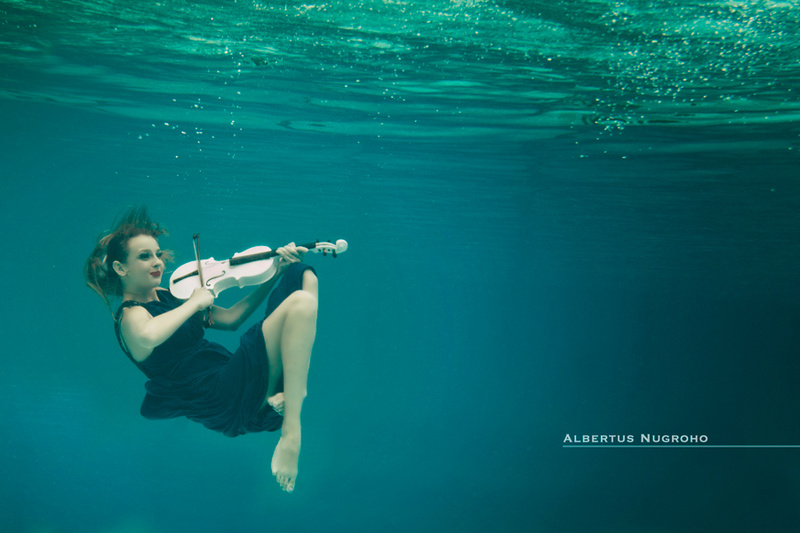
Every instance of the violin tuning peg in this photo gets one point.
(333, 253)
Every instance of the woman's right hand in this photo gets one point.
(202, 298)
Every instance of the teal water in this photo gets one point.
(565, 218)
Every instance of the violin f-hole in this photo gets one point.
(212, 278)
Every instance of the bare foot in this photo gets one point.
(276, 402)
(284, 461)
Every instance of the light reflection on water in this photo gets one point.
(412, 69)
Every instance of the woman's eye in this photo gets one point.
(159, 254)
(144, 257)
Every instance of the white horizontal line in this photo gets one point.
(680, 446)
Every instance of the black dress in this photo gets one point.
(203, 381)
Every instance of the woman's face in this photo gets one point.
(144, 266)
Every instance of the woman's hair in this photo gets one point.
(113, 246)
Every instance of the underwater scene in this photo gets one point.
(569, 300)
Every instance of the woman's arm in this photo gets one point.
(143, 332)
(233, 317)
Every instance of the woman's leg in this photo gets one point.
(309, 284)
(289, 334)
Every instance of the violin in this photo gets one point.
(253, 266)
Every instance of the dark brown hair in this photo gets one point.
(113, 246)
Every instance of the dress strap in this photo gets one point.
(118, 328)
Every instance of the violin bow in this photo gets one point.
(196, 239)
(208, 319)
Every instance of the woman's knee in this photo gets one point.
(302, 303)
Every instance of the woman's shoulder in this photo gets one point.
(163, 296)
(130, 308)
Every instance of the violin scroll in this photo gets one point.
(325, 247)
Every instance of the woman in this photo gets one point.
(260, 387)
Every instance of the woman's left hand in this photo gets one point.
(290, 254)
